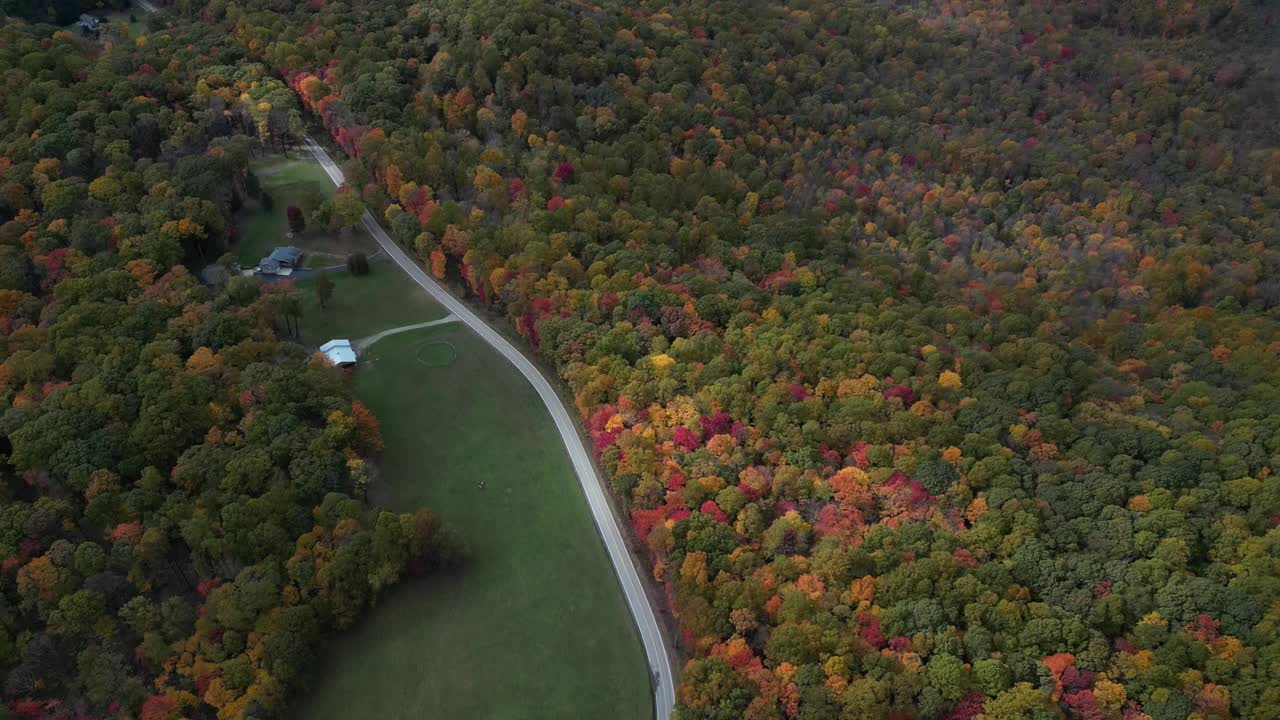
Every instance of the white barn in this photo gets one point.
(339, 352)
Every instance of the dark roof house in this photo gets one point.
(281, 261)
(286, 256)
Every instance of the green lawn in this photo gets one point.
(534, 626)
(363, 305)
(322, 260)
(294, 180)
(137, 27)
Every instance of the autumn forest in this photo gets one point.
(930, 349)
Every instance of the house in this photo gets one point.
(89, 23)
(281, 261)
(340, 353)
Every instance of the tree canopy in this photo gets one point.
(181, 513)
(931, 348)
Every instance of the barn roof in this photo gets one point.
(286, 255)
(339, 352)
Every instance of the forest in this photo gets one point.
(180, 514)
(931, 348)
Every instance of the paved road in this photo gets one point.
(363, 343)
(660, 668)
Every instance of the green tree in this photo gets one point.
(348, 208)
(324, 288)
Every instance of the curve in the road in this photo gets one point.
(646, 620)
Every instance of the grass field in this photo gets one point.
(534, 626)
(363, 305)
(292, 181)
(137, 26)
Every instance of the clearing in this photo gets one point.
(134, 17)
(534, 626)
(364, 304)
(294, 180)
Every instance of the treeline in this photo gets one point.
(180, 522)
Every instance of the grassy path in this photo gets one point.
(363, 343)
(361, 306)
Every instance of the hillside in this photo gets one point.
(931, 348)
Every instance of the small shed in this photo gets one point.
(339, 352)
(281, 261)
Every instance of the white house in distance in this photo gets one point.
(340, 353)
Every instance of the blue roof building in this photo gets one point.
(281, 261)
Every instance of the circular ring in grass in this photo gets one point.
(436, 353)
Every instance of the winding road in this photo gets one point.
(655, 648)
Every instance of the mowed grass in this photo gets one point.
(363, 305)
(137, 26)
(295, 179)
(534, 626)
